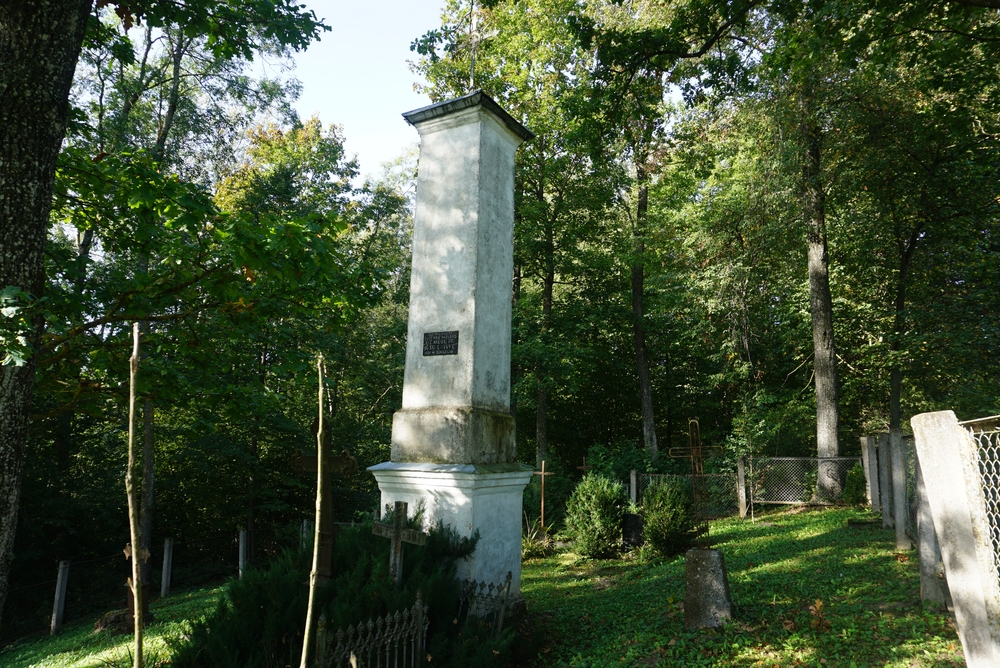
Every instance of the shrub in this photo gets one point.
(668, 518)
(855, 487)
(594, 516)
(258, 623)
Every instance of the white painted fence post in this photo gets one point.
(950, 468)
(243, 551)
(900, 507)
(59, 604)
(884, 481)
(168, 565)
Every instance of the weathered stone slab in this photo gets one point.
(707, 601)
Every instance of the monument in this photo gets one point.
(453, 447)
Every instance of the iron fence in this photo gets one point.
(394, 641)
(720, 491)
(985, 434)
(486, 602)
(793, 480)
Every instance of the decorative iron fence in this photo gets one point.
(720, 491)
(394, 641)
(792, 480)
(486, 602)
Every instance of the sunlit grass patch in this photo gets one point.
(808, 590)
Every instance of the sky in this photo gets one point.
(356, 76)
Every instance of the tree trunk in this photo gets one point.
(133, 511)
(40, 42)
(906, 249)
(638, 331)
(829, 484)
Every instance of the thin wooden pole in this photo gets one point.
(243, 551)
(307, 636)
(133, 503)
(59, 604)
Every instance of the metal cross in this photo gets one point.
(584, 468)
(398, 534)
(542, 473)
(696, 452)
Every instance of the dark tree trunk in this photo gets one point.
(638, 330)
(906, 249)
(820, 306)
(40, 42)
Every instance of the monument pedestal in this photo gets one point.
(466, 497)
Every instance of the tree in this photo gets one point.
(40, 44)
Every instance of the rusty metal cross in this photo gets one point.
(398, 534)
(696, 452)
(543, 473)
(584, 468)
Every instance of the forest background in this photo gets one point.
(780, 218)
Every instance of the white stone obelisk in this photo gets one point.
(453, 447)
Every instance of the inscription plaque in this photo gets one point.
(440, 343)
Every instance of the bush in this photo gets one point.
(594, 516)
(258, 623)
(855, 489)
(668, 518)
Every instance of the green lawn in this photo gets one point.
(864, 599)
(78, 646)
(865, 603)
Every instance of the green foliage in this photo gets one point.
(535, 541)
(668, 518)
(594, 516)
(855, 486)
(259, 620)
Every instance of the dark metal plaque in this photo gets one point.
(440, 343)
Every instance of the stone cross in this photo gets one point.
(305, 467)
(543, 473)
(398, 534)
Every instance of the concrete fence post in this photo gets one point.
(243, 551)
(741, 486)
(168, 565)
(900, 507)
(633, 487)
(933, 586)
(59, 604)
(884, 481)
(950, 470)
(869, 462)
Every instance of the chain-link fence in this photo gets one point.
(985, 433)
(720, 491)
(793, 480)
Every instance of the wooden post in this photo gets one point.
(168, 566)
(243, 551)
(741, 486)
(633, 487)
(59, 604)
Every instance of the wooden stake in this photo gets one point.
(133, 503)
(307, 636)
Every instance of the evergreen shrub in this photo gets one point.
(259, 621)
(668, 518)
(855, 492)
(594, 516)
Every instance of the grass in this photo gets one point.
(808, 591)
(79, 646)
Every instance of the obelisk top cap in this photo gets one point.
(478, 98)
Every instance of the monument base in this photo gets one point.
(466, 497)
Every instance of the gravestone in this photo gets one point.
(453, 447)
